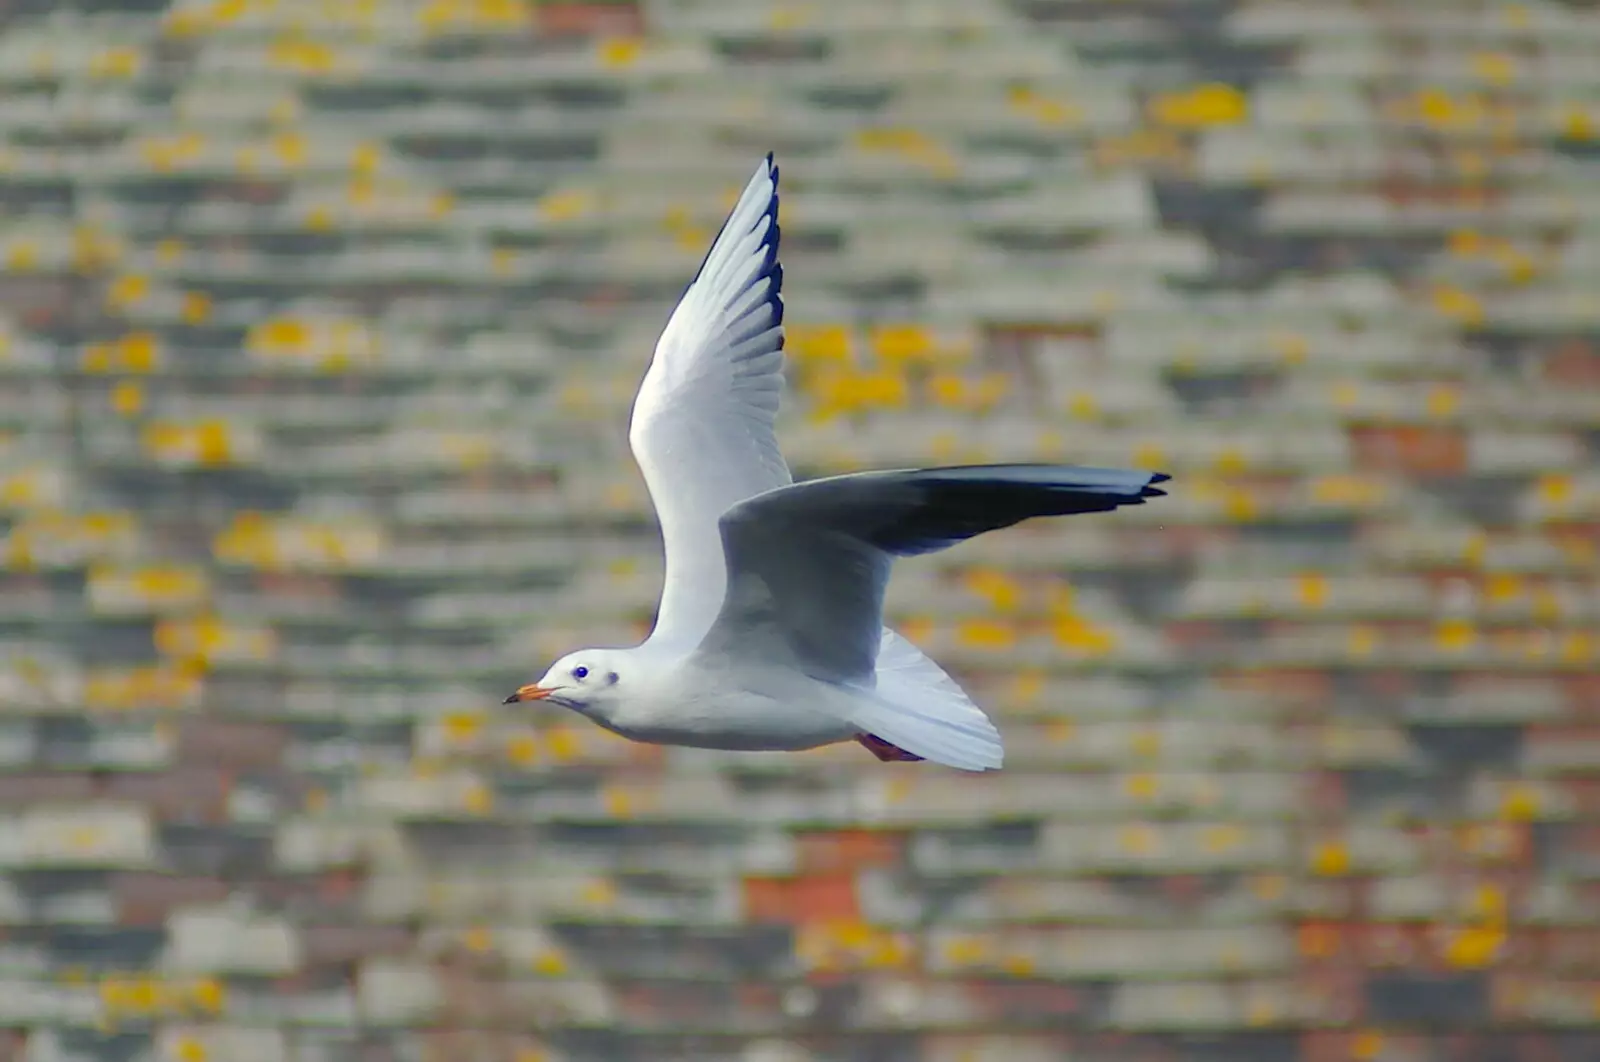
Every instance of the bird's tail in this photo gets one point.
(915, 706)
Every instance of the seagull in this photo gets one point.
(770, 633)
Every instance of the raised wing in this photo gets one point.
(702, 428)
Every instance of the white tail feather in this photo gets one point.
(919, 708)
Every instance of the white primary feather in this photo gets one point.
(702, 428)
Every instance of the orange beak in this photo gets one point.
(531, 692)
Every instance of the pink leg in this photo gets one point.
(885, 751)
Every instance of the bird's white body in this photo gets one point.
(770, 634)
(705, 704)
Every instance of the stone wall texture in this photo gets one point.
(319, 324)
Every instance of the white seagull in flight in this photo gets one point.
(770, 634)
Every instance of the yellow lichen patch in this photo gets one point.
(1003, 592)
(127, 291)
(986, 634)
(829, 343)
(976, 394)
(1330, 859)
(325, 344)
(1473, 947)
(196, 308)
(842, 392)
(125, 997)
(93, 251)
(173, 687)
(22, 256)
(851, 946)
(568, 205)
(1312, 589)
(1082, 636)
(1455, 636)
(473, 15)
(1459, 304)
(1043, 109)
(911, 145)
(167, 153)
(902, 343)
(619, 53)
(205, 443)
(1347, 490)
(302, 56)
(1439, 110)
(205, 640)
(1204, 105)
(137, 352)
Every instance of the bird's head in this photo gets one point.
(583, 681)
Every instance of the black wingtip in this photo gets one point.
(774, 233)
(1152, 492)
(774, 230)
(772, 268)
(773, 237)
(1159, 477)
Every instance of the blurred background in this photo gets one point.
(319, 324)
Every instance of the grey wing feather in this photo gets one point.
(800, 584)
(807, 564)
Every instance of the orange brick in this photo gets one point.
(814, 898)
(1434, 451)
(836, 850)
(583, 20)
(1320, 940)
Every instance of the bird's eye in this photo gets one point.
(580, 672)
(612, 678)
